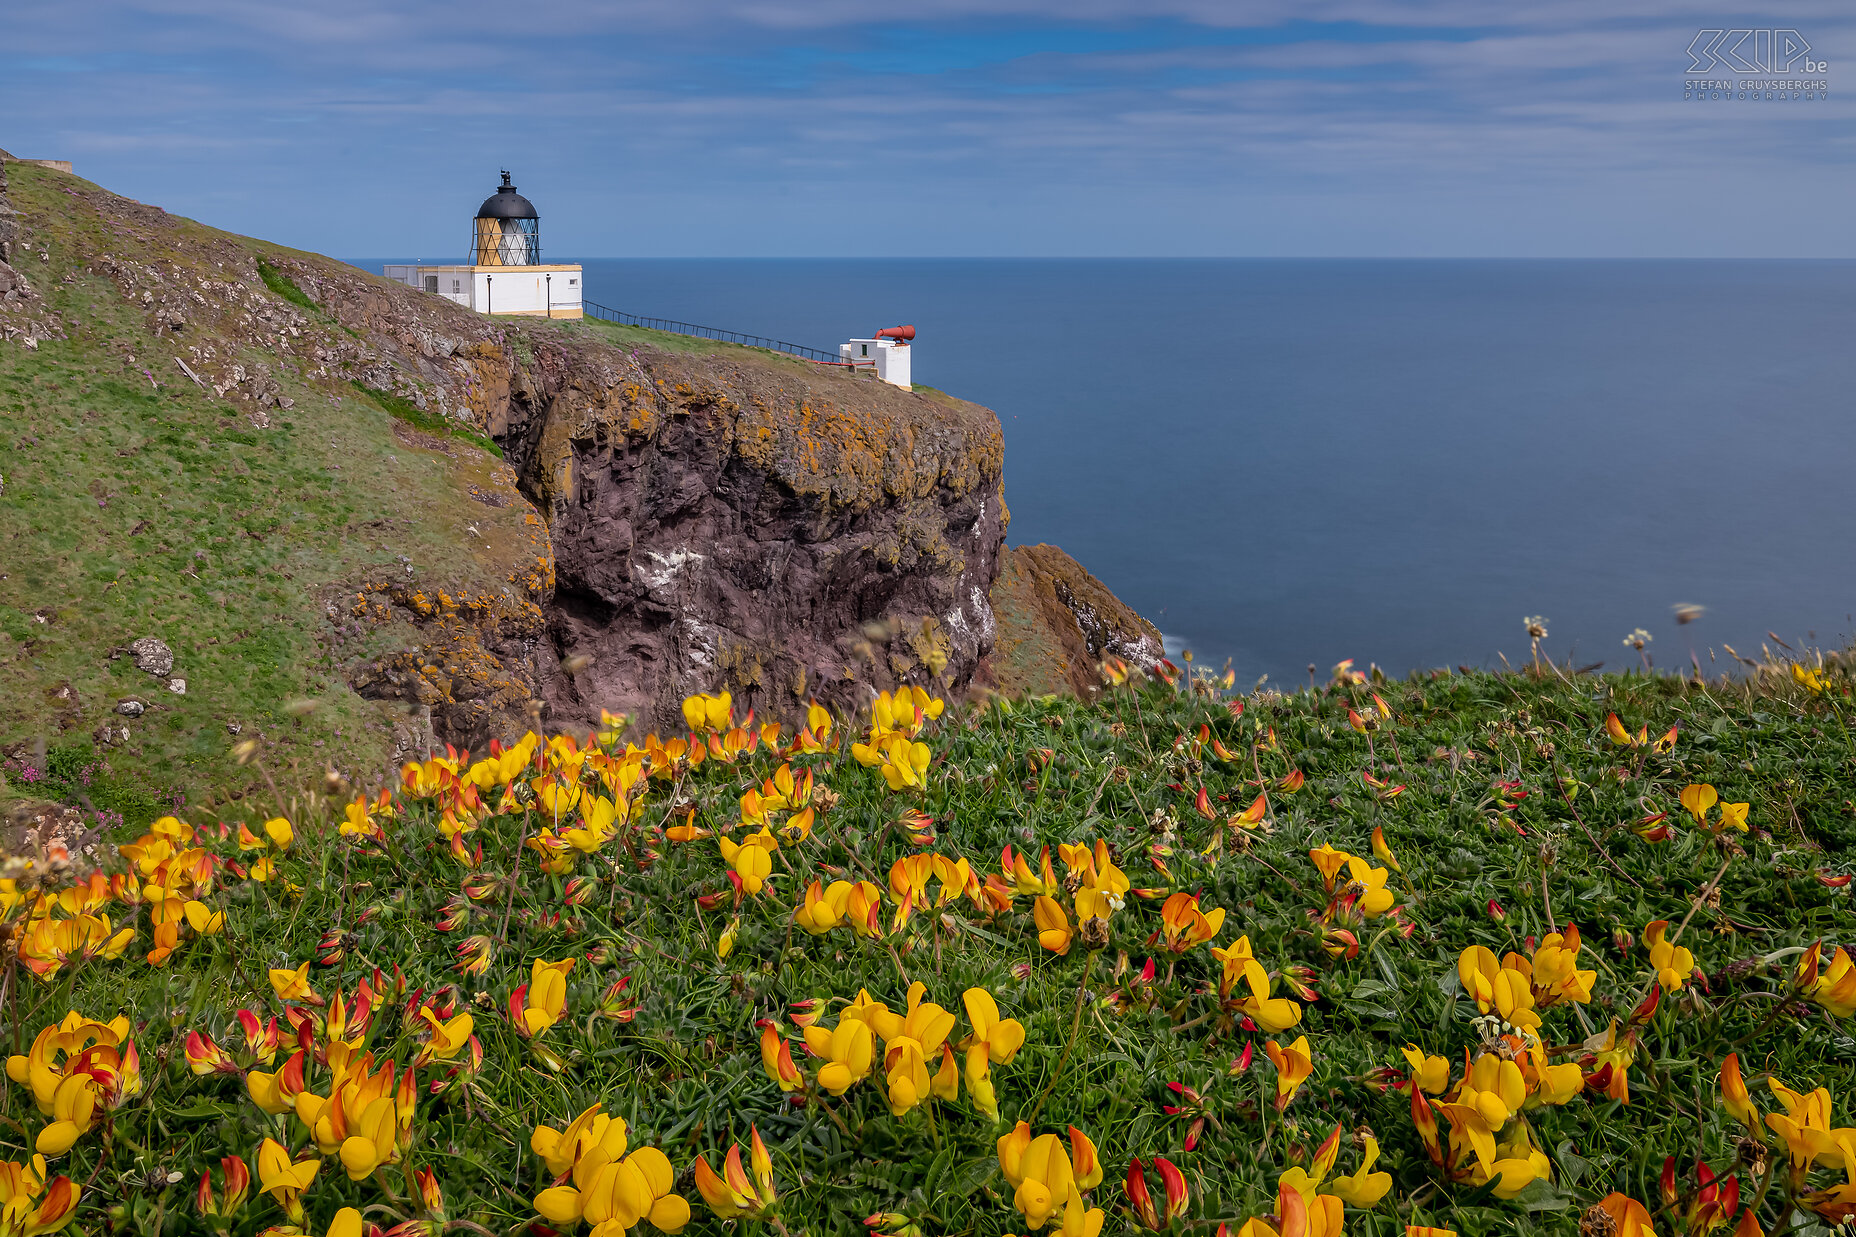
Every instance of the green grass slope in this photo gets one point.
(137, 503)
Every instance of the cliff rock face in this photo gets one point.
(1057, 623)
(723, 518)
(764, 525)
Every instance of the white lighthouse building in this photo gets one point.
(505, 274)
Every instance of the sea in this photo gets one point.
(1287, 463)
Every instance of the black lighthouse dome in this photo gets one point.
(507, 231)
(506, 203)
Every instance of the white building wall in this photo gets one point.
(499, 290)
(889, 359)
(892, 364)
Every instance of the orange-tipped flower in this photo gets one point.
(1734, 1097)
(1185, 925)
(1293, 1066)
(1142, 1202)
(732, 1194)
(776, 1057)
(206, 1057)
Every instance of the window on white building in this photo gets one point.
(431, 283)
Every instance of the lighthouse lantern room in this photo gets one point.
(505, 274)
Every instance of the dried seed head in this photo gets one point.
(1597, 1222)
(1753, 1154)
(1095, 934)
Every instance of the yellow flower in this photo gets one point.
(995, 1041)
(905, 1069)
(383, 1126)
(1698, 799)
(1555, 974)
(1833, 987)
(905, 763)
(1329, 861)
(824, 908)
(1673, 963)
(706, 712)
(1431, 1074)
(1496, 988)
(20, 1187)
(203, 919)
(1805, 1127)
(447, 1038)
(926, 1023)
(1054, 931)
(279, 831)
(1273, 1014)
(1374, 898)
(1364, 1188)
(282, 1180)
(611, 1193)
(848, 1049)
(1293, 1066)
(293, 985)
(751, 860)
(1495, 1088)
(546, 997)
(1040, 1172)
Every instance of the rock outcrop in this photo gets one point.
(725, 518)
(22, 308)
(1057, 623)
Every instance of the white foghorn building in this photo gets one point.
(506, 274)
(886, 352)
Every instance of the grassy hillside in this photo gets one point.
(237, 525)
(1507, 806)
(137, 503)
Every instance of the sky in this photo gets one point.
(1024, 128)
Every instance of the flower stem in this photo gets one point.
(1076, 1024)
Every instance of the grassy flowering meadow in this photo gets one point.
(1466, 953)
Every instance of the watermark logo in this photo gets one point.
(1754, 65)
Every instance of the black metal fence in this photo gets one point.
(710, 332)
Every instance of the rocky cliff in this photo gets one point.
(1058, 624)
(468, 522)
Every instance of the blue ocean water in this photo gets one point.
(1285, 462)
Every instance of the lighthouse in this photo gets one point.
(505, 274)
